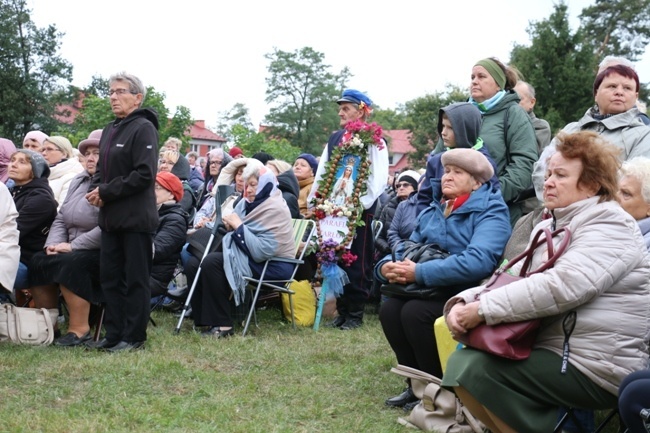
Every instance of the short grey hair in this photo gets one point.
(135, 85)
(614, 60)
(638, 168)
(529, 87)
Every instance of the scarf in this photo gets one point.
(486, 105)
(266, 184)
(450, 205)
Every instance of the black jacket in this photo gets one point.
(168, 242)
(126, 173)
(36, 210)
(386, 217)
(288, 184)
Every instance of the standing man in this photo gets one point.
(527, 101)
(123, 188)
(355, 105)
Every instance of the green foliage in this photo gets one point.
(302, 90)
(617, 27)
(237, 115)
(390, 119)
(177, 127)
(252, 142)
(32, 73)
(422, 120)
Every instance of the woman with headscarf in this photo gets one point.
(217, 159)
(64, 166)
(258, 230)
(69, 262)
(34, 141)
(304, 168)
(7, 148)
(506, 129)
(36, 208)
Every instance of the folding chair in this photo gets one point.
(303, 230)
(570, 415)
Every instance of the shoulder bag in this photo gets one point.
(32, 326)
(514, 340)
(418, 253)
(439, 409)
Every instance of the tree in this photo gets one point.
(422, 120)
(237, 115)
(302, 89)
(617, 27)
(33, 74)
(389, 119)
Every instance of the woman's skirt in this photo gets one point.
(527, 394)
(78, 271)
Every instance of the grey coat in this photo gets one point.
(76, 221)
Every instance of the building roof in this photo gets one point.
(198, 131)
(400, 141)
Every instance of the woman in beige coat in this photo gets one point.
(603, 277)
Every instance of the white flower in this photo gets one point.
(348, 213)
(339, 214)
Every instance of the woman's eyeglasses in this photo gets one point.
(403, 185)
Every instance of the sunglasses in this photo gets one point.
(403, 185)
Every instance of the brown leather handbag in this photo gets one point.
(514, 340)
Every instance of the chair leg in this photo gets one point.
(252, 310)
(293, 316)
(99, 323)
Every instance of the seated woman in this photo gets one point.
(288, 185)
(173, 162)
(171, 232)
(304, 167)
(634, 192)
(70, 261)
(36, 208)
(467, 218)
(406, 185)
(603, 277)
(406, 215)
(258, 231)
(59, 155)
(9, 249)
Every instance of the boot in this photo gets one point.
(354, 319)
(342, 309)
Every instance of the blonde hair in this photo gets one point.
(279, 165)
(170, 155)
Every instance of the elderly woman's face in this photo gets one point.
(162, 194)
(51, 153)
(561, 185)
(630, 196)
(20, 169)
(616, 94)
(239, 180)
(32, 144)
(482, 86)
(302, 169)
(215, 166)
(404, 189)
(456, 182)
(165, 164)
(251, 188)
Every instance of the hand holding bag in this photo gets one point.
(439, 409)
(32, 326)
(418, 253)
(514, 340)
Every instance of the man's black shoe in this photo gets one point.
(351, 323)
(403, 399)
(337, 322)
(125, 346)
(99, 345)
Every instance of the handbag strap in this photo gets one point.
(536, 243)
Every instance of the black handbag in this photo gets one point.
(418, 253)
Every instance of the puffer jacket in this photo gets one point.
(404, 220)
(604, 275)
(474, 234)
(168, 242)
(76, 221)
(625, 130)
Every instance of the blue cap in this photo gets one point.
(354, 96)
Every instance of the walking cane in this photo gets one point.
(222, 191)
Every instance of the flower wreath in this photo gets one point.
(356, 142)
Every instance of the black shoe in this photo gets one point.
(99, 345)
(351, 323)
(70, 339)
(215, 332)
(409, 406)
(403, 399)
(125, 346)
(337, 322)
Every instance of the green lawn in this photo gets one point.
(273, 380)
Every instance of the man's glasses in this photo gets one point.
(403, 185)
(216, 162)
(119, 92)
